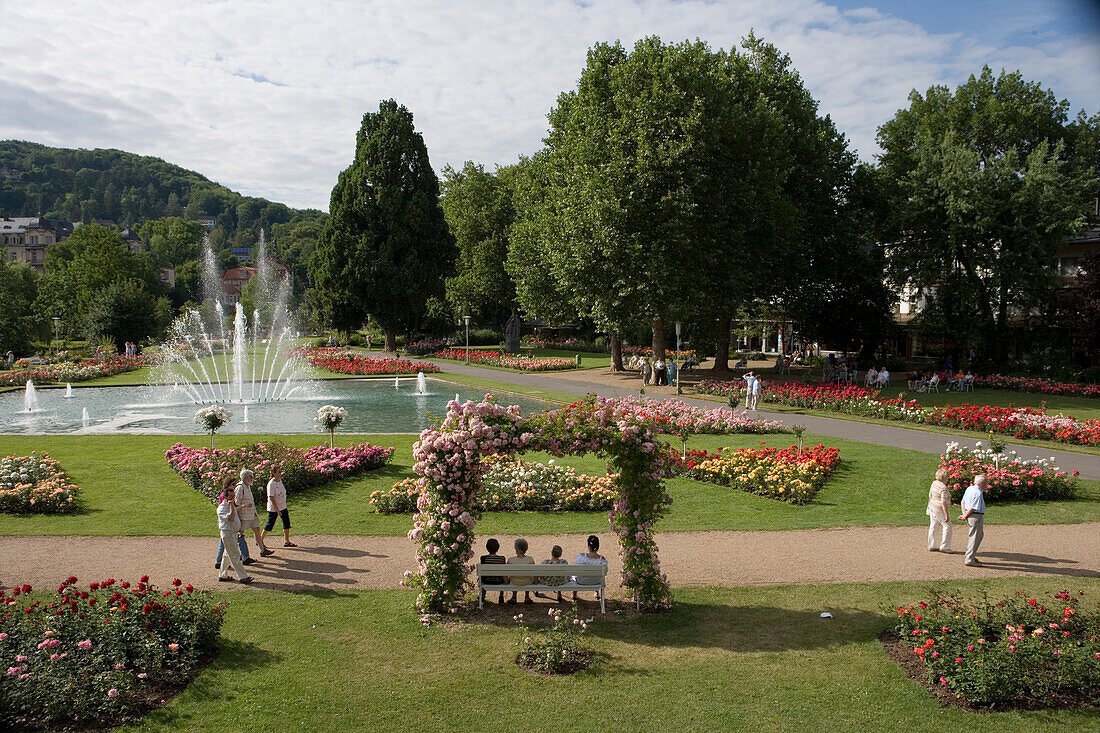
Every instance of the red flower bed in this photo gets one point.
(346, 362)
(1039, 386)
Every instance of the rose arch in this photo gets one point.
(448, 463)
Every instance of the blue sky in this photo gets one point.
(266, 96)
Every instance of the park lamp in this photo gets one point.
(56, 327)
(467, 320)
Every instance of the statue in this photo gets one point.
(511, 333)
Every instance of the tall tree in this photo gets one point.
(982, 195)
(478, 207)
(19, 321)
(385, 248)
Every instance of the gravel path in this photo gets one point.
(335, 562)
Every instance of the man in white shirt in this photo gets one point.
(973, 506)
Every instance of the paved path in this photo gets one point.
(890, 435)
(335, 562)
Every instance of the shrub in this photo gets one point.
(35, 484)
(98, 656)
(1020, 650)
(345, 362)
(1009, 476)
(204, 469)
(425, 347)
(556, 650)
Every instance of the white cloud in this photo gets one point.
(266, 97)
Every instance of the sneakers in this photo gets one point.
(224, 579)
(248, 561)
(246, 579)
(267, 552)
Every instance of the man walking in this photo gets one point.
(973, 505)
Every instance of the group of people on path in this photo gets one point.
(659, 373)
(492, 546)
(237, 513)
(973, 513)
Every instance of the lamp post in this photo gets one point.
(467, 319)
(56, 324)
(678, 358)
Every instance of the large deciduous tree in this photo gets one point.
(19, 321)
(478, 207)
(385, 248)
(982, 195)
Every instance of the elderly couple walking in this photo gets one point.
(237, 513)
(939, 515)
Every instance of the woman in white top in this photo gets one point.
(592, 557)
(276, 506)
(246, 508)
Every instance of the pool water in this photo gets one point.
(373, 405)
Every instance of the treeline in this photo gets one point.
(128, 189)
(679, 183)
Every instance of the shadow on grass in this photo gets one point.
(746, 628)
(235, 659)
(341, 486)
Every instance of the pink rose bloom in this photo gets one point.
(86, 644)
(112, 692)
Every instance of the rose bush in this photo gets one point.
(35, 484)
(97, 656)
(204, 469)
(1040, 386)
(1009, 476)
(1020, 651)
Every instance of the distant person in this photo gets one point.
(671, 373)
(555, 559)
(11, 360)
(229, 526)
(752, 391)
(883, 377)
(647, 371)
(592, 557)
(973, 505)
(521, 558)
(492, 547)
(660, 372)
(276, 507)
(939, 513)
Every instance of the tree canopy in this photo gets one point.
(385, 249)
(981, 194)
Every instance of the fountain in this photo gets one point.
(85, 418)
(30, 398)
(421, 384)
(245, 418)
(205, 363)
(68, 391)
(397, 382)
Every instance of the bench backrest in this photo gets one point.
(549, 570)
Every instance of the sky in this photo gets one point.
(266, 96)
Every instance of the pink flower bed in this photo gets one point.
(346, 362)
(78, 371)
(676, 416)
(1010, 477)
(204, 469)
(496, 359)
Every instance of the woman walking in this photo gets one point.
(246, 508)
(276, 506)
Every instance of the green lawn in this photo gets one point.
(737, 659)
(588, 360)
(129, 490)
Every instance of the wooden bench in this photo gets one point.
(597, 574)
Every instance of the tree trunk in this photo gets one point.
(658, 339)
(391, 340)
(722, 353)
(616, 353)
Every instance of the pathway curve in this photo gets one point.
(605, 384)
(337, 562)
